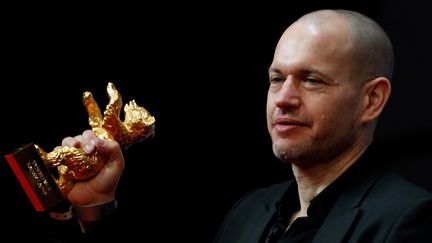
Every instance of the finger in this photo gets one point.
(70, 142)
(90, 139)
(79, 138)
(106, 146)
(113, 151)
(89, 135)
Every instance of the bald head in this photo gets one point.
(372, 51)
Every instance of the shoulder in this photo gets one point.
(396, 208)
(249, 216)
(261, 201)
(392, 186)
(264, 195)
(393, 197)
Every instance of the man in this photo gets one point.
(329, 82)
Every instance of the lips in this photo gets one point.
(287, 124)
(288, 121)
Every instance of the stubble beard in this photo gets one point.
(314, 150)
(293, 153)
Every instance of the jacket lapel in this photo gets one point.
(346, 209)
(257, 228)
(263, 215)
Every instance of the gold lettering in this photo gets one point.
(41, 182)
(32, 172)
(47, 185)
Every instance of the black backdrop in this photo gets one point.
(202, 71)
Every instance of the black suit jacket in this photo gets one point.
(376, 206)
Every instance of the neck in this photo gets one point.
(315, 177)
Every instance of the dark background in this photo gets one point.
(201, 70)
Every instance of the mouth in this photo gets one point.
(286, 124)
(286, 121)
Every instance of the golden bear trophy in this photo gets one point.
(33, 166)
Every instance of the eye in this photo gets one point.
(276, 80)
(311, 82)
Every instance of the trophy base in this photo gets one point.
(34, 177)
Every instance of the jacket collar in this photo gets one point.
(340, 217)
(346, 209)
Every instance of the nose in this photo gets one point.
(288, 96)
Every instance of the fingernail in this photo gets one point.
(101, 142)
(89, 148)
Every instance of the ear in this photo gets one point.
(376, 94)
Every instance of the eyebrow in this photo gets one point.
(275, 70)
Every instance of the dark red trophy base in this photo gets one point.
(34, 177)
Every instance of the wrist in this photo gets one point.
(89, 215)
(95, 212)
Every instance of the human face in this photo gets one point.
(313, 103)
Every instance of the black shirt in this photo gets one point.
(304, 229)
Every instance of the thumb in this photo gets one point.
(112, 151)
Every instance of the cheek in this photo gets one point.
(337, 115)
(269, 115)
(327, 116)
(269, 108)
(324, 121)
